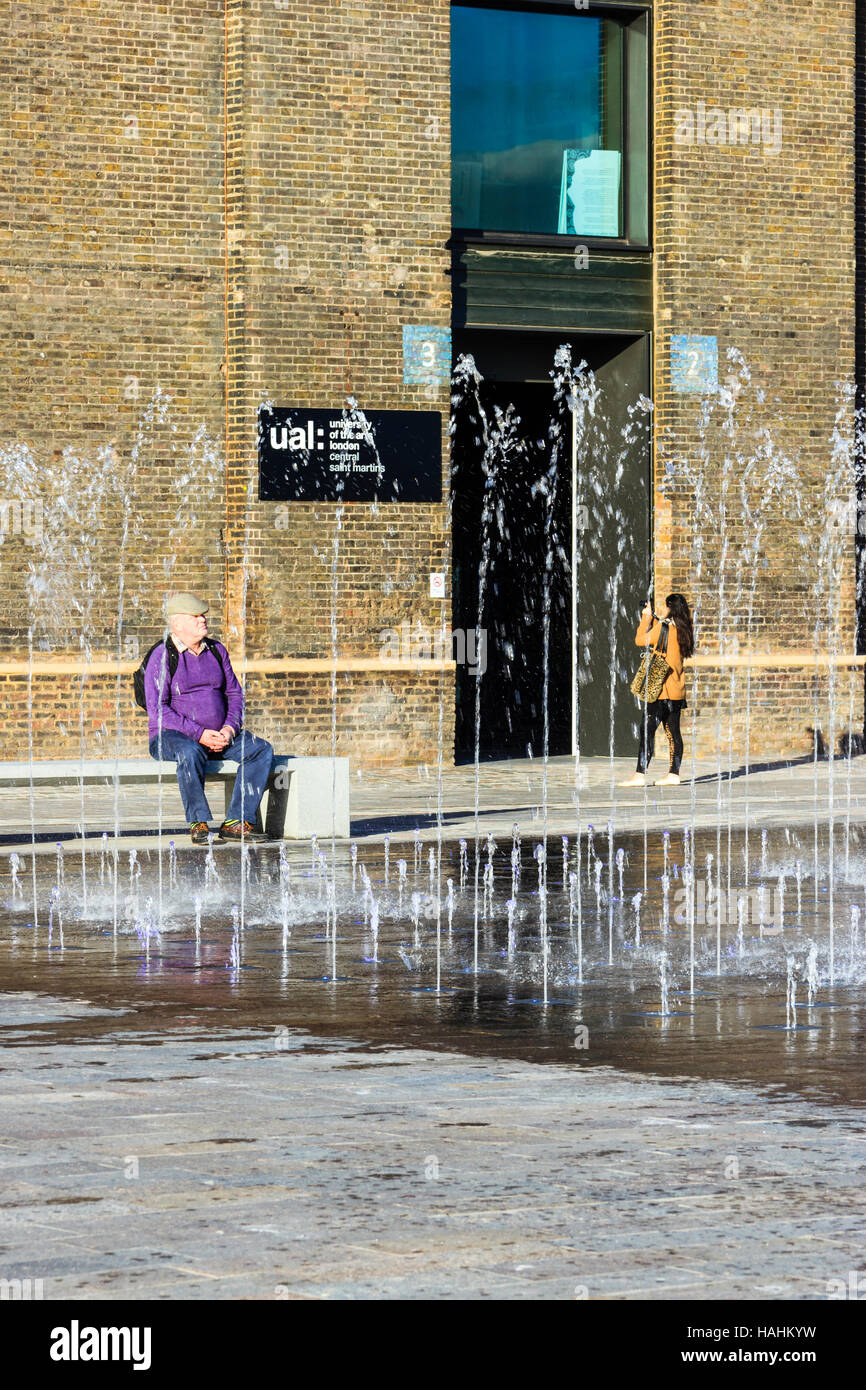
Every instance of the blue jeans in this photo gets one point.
(253, 755)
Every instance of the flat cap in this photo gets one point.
(185, 603)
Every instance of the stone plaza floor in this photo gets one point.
(178, 1165)
(397, 801)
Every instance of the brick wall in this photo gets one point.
(344, 162)
(334, 187)
(111, 237)
(337, 212)
(383, 717)
(757, 248)
(772, 715)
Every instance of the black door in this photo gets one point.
(511, 512)
(514, 543)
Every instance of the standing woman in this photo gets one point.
(666, 709)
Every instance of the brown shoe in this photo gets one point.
(201, 832)
(241, 830)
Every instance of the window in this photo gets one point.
(549, 123)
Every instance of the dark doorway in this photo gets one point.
(514, 542)
(524, 522)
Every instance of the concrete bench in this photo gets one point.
(305, 796)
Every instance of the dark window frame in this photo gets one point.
(608, 9)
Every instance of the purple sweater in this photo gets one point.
(205, 693)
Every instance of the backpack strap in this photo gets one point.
(173, 657)
(212, 646)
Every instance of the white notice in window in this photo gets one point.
(589, 196)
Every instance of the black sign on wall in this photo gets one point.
(349, 455)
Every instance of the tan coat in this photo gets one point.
(674, 687)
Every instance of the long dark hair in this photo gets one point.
(678, 609)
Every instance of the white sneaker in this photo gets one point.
(671, 780)
(637, 779)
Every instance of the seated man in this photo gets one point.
(196, 713)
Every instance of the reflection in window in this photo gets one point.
(536, 122)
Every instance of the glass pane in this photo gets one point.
(637, 158)
(536, 122)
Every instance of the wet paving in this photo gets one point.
(727, 1011)
(279, 1081)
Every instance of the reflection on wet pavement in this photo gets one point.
(615, 960)
(229, 1098)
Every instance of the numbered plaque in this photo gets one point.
(694, 362)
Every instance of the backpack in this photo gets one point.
(173, 658)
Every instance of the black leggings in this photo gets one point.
(667, 713)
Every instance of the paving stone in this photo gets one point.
(356, 1217)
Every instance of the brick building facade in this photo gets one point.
(220, 202)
